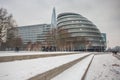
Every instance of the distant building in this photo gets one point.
(33, 33)
(116, 48)
(80, 27)
(104, 39)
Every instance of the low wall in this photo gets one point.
(25, 57)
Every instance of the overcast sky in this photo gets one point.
(105, 14)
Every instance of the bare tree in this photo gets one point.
(67, 42)
(63, 40)
(29, 46)
(63, 37)
(6, 24)
(36, 46)
(51, 38)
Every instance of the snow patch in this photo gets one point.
(104, 67)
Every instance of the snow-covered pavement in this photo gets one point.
(104, 67)
(25, 69)
(76, 72)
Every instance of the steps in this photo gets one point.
(56, 71)
(38, 68)
(77, 71)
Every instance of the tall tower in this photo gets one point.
(53, 27)
(53, 19)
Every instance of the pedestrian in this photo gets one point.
(114, 52)
(17, 49)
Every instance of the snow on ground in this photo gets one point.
(104, 67)
(25, 69)
(118, 53)
(75, 72)
(14, 53)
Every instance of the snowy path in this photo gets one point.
(75, 72)
(104, 67)
(24, 69)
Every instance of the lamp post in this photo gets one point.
(100, 45)
(86, 47)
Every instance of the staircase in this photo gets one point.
(62, 69)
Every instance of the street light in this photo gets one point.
(100, 45)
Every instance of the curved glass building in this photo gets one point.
(83, 34)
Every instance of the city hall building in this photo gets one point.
(79, 27)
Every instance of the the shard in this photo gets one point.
(53, 19)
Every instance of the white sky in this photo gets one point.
(105, 14)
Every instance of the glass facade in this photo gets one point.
(33, 33)
(79, 26)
